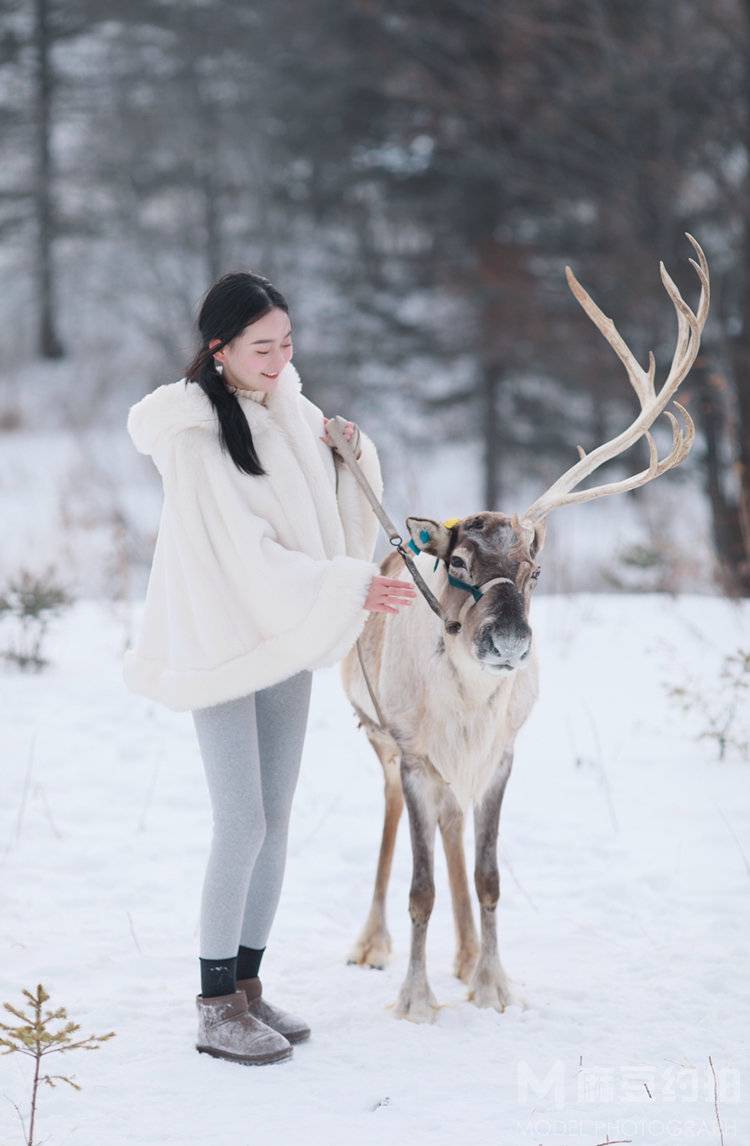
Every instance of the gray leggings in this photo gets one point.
(251, 750)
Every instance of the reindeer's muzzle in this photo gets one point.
(503, 645)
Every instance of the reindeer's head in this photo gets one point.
(491, 566)
(491, 559)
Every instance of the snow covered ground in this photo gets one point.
(625, 865)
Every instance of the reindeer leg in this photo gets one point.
(489, 986)
(416, 1001)
(451, 821)
(373, 946)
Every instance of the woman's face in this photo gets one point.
(255, 358)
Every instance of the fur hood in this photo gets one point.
(253, 577)
(165, 411)
(181, 405)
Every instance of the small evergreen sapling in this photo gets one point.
(36, 1040)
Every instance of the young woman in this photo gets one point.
(262, 572)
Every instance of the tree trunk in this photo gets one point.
(489, 390)
(48, 343)
(741, 354)
(731, 551)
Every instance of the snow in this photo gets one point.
(623, 919)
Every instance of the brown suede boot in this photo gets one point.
(227, 1029)
(293, 1029)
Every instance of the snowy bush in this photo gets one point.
(723, 714)
(31, 601)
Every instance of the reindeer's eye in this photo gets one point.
(536, 574)
(458, 563)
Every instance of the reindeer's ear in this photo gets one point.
(540, 532)
(530, 533)
(430, 536)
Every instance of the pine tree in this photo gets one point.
(36, 1040)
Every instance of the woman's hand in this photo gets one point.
(388, 594)
(351, 433)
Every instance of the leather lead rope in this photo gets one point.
(373, 697)
(335, 428)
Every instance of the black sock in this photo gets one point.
(248, 961)
(218, 976)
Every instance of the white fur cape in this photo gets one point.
(253, 578)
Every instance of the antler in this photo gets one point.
(689, 328)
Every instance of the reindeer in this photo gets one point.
(453, 696)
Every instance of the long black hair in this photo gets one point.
(232, 303)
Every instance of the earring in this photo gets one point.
(219, 367)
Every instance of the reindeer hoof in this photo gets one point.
(417, 1004)
(372, 951)
(490, 988)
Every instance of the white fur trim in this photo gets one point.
(326, 635)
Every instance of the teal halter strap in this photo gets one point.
(477, 591)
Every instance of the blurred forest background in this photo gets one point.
(414, 177)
